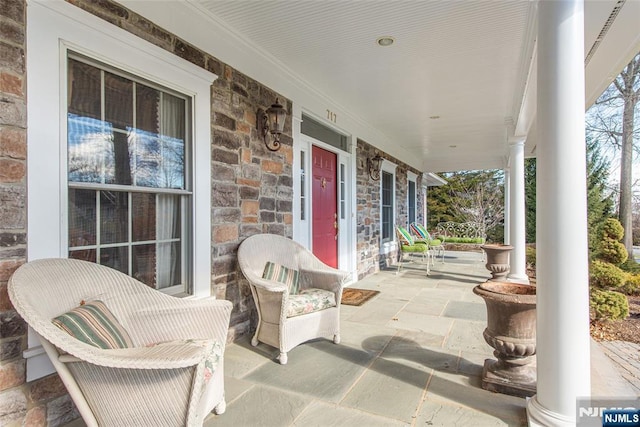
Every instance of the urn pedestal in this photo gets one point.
(498, 261)
(511, 331)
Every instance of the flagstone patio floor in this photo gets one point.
(412, 355)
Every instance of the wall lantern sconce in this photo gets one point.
(272, 122)
(374, 167)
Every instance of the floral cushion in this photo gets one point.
(94, 324)
(282, 274)
(310, 300)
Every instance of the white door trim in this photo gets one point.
(346, 226)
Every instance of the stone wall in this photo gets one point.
(13, 148)
(252, 187)
(368, 214)
(45, 401)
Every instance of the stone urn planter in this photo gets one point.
(511, 331)
(498, 260)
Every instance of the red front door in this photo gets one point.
(324, 195)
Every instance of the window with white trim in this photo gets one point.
(134, 184)
(129, 195)
(54, 29)
(387, 183)
(387, 202)
(411, 200)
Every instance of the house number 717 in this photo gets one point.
(331, 116)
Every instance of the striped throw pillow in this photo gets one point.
(94, 324)
(420, 231)
(284, 275)
(405, 237)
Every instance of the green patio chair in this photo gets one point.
(409, 246)
(422, 235)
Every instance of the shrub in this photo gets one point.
(604, 275)
(612, 229)
(630, 266)
(631, 285)
(530, 254)
(612, 251)
(608, 305)
(609, 248)
(468, 240)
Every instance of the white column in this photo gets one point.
(517, 230)
(507, 207)
(563, 295)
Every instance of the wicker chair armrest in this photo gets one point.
(166, 356)
(268, 285)
(183, 319)
(327, 279)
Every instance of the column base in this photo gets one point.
(539, 416)
(516, 278)
(516, 385)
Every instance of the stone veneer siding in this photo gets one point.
(251, 187)
(369, 209)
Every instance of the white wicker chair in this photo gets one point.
(144, 385)
(272, 298)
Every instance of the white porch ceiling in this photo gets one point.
(469, 63)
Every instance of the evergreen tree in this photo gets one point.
(470, 196)
(530, 199)
(599, 198)
(439, 203)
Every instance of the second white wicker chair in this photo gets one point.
(273, 300)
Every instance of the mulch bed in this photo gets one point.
(623, 330)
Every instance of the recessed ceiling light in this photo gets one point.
(385, 41)
(434, 117)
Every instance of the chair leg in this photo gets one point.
(427, 255)
(220, 408)
(254, 340)
(400, 262)
(283, 358)
(336, 338)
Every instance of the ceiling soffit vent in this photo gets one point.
(605, 29)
